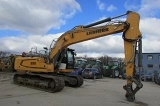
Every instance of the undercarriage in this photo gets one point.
(46, 82)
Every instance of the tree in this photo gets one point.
(4, 54)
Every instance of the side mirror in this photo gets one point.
(45, 48)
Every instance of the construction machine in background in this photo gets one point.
(7, 63)
(81, 63)
(2, 65)
(95, 63)
(114, 69)
(52, 73)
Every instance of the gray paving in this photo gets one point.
(99, 92)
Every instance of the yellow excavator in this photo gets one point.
(52, 72)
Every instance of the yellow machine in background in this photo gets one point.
(2, 65)
(51, 72)
(7, 63)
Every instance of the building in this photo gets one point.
(150, 62)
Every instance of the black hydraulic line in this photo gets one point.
(140, 53)
(140, 57)
(105, 20)
(96, 23)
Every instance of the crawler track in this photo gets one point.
(72, 80)
(77, 81)
(40, 81)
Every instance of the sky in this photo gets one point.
(25, 24)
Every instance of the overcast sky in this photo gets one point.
(35, 23)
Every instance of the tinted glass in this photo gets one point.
(86, 70)
(70, 59)
(94, 70)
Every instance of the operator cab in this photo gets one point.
(67, 59)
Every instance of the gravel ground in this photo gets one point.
(99, 92)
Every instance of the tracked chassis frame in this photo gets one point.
(48, 83)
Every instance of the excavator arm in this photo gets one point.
(130, 29)
(131, 36)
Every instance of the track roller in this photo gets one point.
(73, 80)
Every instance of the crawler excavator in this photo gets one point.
(51, 73)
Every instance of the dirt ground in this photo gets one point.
(99, 92)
